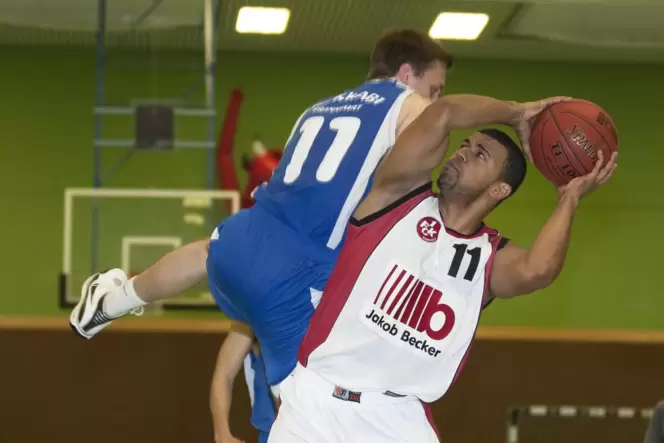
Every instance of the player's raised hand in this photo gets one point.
(527, 113)
(584, 185)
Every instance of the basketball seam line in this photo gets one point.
(555, 122)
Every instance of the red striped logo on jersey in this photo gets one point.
(415, 304)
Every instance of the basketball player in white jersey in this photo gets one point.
(399, 312)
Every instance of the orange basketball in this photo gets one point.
(566, 138)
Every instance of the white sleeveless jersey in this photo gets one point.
(401, 307)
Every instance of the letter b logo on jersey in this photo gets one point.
(438, 318)
(415, 304)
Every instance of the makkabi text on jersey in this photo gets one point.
(369, 98)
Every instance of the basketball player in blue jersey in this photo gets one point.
(240, 349)
(267, 265)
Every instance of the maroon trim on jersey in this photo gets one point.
(362, 239)
(496, 240)
(427, 412)
(481, 230)
(376, 215)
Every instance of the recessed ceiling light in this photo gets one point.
(260, 20)
(458, 25)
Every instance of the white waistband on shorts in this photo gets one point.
(304, 376)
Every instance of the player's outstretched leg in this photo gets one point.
(89, 316)
(110, 295)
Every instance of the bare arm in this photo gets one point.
(419, 149)
(412, 107)
(519, 271)
(174, 273)
(229, 361)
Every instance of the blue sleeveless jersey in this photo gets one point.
(268, 264)
(329, 160)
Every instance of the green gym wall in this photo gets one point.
(46, 132)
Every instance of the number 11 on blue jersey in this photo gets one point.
(346, 129)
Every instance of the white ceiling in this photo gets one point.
(590, 30)
(608, 25)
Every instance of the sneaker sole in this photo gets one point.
(73, 317)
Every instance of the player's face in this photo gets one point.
(476, 168)
(430, 83)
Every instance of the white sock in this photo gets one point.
(122, 300)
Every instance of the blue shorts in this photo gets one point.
(264, 273)
(263, 412)
(262, 436)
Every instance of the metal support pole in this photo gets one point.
(97, 182)
(210, 22)
(210, 10)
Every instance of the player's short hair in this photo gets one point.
(397, 47)
(514, 169)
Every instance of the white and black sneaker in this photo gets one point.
(88, 317)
